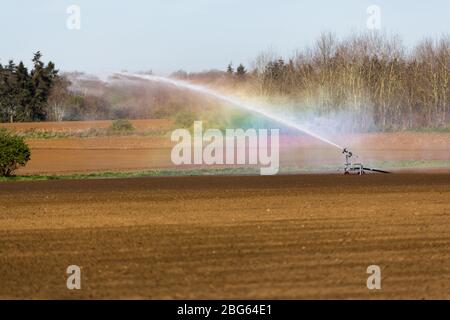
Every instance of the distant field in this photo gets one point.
(67, 126)
(298, 152)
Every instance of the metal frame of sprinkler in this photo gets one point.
(356, 168)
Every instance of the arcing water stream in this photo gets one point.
(235, 101)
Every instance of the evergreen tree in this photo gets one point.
(23, 95)
(40, 87)
(11, 92)
(241, 71)
(230, 69)
(3, 93)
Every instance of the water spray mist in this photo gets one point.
(348, 167)
(233, 100)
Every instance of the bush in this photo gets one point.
(185, 119)
(14, 153)
(121, 126)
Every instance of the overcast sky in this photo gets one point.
(166, 35)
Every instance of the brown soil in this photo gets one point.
(137, 152)
(289, 237)
(118, 153)
(67, 126)
(97, 154)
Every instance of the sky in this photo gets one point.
(194, 35)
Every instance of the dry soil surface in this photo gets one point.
(234, 237)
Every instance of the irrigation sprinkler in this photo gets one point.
(356, 167)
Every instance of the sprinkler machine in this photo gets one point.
(356, 168)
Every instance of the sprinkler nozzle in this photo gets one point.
(347, 151)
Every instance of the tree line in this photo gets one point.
(43, 94)
(24, 94)
(374, 77)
